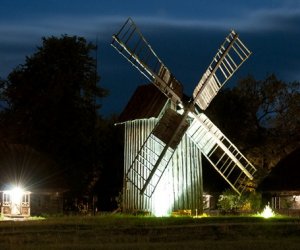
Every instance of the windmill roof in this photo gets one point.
(146, 102)
(284, 176)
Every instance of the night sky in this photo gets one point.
(185, 35)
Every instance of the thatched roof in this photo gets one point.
(285, 176)
(146, 102)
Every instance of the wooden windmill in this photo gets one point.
(180, 127)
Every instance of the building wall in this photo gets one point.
(285, 202)
(46, 203)
(180, 187)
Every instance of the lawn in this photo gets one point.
(134, 232)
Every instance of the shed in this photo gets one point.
(282, 186)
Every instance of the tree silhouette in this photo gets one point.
(262, 117)
(51, 106)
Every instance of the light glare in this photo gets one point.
(267, 212)
(161, 199)
(16, 195)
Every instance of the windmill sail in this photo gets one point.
(229, 162)
(152, 159)
(228, 59)
(130, 42)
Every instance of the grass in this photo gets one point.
(133, 232)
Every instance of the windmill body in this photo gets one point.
(180, 187)
(179, 130)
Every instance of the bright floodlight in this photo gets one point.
(16, 195)
(16, 202)
(162, 202)
(267, 212)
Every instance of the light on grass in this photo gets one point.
(267, 212)
(204, 215)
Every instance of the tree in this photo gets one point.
(111, 152)
(262, 117)
(51, 105)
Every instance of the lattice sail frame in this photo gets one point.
(223, 155)
(131, 44)
(231, 55)
(157, 151)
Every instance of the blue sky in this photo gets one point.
(185, 34)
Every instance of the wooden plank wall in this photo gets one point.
(181, 186)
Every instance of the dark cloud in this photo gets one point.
(188, 52)
(185, 45)
(273, 20)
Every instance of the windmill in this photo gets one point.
(180, 118)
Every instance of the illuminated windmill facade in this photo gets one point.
(151, 161)
(181, 185)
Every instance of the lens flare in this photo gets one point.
(16, 195)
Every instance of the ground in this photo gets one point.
(128, 232)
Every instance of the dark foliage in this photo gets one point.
(51, 106)
(262, 117)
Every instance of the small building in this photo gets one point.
(38, 190)
(15, 203)
(281, 188)
(19, 203)
(47, 201)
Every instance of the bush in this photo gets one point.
(230, 202)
